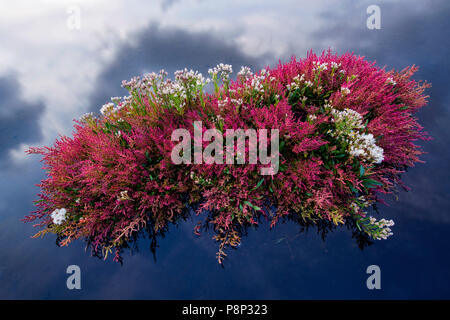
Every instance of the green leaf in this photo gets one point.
(125, 126)
(352, 188)
(258, 184)
(365, 124)
(357, 224)
(361, 170)
(252, 206)
(370, 183)
(108, 126)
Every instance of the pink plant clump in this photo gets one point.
(346, 131)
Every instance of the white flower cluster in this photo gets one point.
(237, 102)
(170, 87)
(113, 107)
(147, 81)
(348, 124)
(132, 84)
(224, 69)
(384, 231)
(172, 92)
(354, 206)
(311, 118)
(345, 90)
(296, 84)
(87, 117)
(257, 81)
(126, 100)
(363, 201)
(59, 215)
(244, 74)
(363, 145)
(222, 103)
(335, 65)
(360, 203)
(320, 66)
(346, 119)
(391, 81)
(107, 108)
(116, 100)
(123, 196)
(190, 77)
(309, 83)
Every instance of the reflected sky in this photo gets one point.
(73, 73)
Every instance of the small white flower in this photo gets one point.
(345, 90)
(236, 102)
(59, 216)
(335, 65)
(107, 108)
(257, 84)
(382, 230)
(224, 69)
(86, 117)
(264, 72)
(245, 73)
(123, 196)
(320, 66)
(348, 125)
(354, 207)
(391, 81)
(222, 103)
(190, 77)
(162, 73)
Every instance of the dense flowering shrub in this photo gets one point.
(346, 133)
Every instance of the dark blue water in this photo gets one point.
(270, 264)
(277, 264)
